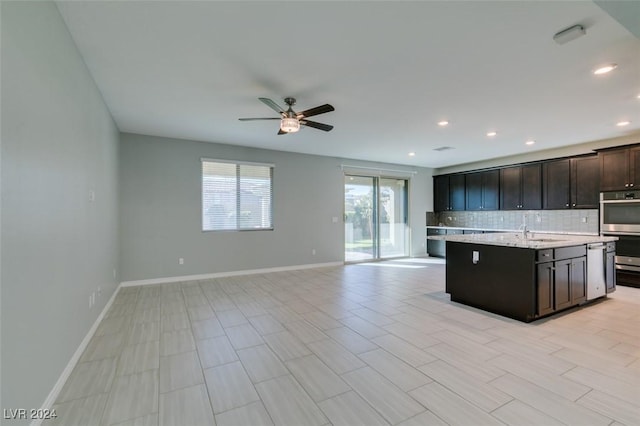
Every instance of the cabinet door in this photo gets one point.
(614, 170)
(610, 271)
(473, 187)
(578, 280)
(456, 192)
(556, 176)
(634, 167)
(510, 187)
(531, 187)
(562, 284)
(545, 288)
(490, 190)
(441, 193)
(585, 182)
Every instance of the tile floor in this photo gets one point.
(368, 344)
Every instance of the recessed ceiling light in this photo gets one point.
(412, 154)
(491, 134)
(623, 123)
(605, 69)
(530, 142)
(443, 123)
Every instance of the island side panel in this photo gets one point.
(502, 281)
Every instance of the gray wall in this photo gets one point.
(58, 144)
(160, 203)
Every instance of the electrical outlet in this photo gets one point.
(584, 219)
(181, 261)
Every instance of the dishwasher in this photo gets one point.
(596, 282)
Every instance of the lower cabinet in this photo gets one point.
(561, 278)
(437, 248)
(610, 268)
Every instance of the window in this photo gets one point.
(236, 196)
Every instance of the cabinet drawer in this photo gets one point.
(544, 255)
(569, 252)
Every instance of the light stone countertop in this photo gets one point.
(467, 228)
(534, 240)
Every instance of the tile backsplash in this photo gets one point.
(580, 221)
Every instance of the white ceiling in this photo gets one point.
(392, 70)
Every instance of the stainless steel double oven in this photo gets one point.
(620, 217)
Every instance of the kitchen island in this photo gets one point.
(527, 276)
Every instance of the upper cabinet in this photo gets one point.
(571, 183)
(565, 183)
(521, 187)
(449, 192)
(585, 182)
(482, 190)
(619, 169)
(557, 188)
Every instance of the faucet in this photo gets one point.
(523, 227)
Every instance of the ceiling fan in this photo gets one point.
(290, 121)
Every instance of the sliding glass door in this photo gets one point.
(392, 208)
(360, 218)
(375, 211)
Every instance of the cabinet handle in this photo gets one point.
(630, 184)
(566, 205)
(626, 185)
(574, 204)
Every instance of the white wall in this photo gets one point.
(565, 151)
(160, 203)
(59, 143)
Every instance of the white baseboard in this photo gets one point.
(227, 274)
(53, 395)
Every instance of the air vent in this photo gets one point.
(443, 148)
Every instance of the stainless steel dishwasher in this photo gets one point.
(596, 280)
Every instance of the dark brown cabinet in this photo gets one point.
(570, 282)
(556, 177)
(619, 169)
(585, 182)
(521, 187)
(571, 183)
(545, 288)
(610, 268)
(561, 278)
(482, 190)
(449, 192)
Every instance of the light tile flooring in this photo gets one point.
(367, 344)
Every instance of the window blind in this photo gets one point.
(236, 196)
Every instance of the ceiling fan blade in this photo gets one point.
(261, 118)
(316, 125)
(317, 110)
(274, 106)
(282, 132)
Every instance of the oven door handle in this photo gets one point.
(628, 268)
(605, 233)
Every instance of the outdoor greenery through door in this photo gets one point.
(375, 211)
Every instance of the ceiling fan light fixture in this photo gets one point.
(290, 125)
(605, 69)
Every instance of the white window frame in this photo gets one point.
(238, 165)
